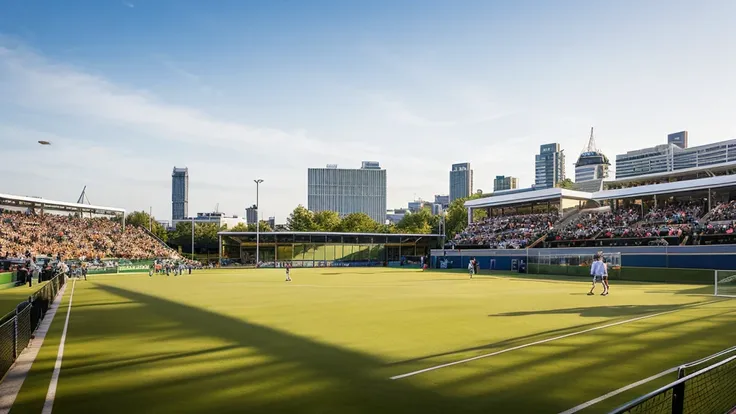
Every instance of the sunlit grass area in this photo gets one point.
(331, 340)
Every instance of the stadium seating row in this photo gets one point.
(69, 237)
(680, 221)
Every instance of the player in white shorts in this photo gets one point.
(288, 272)
(597, 270)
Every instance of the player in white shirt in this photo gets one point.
(288, 272)
(597, 270)
(471, 268)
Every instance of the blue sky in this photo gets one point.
(238, 90)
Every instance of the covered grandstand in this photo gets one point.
(673, 211)
(39, 205)
(324, 249)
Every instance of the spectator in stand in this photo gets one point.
(70, 237)
(723, 212)
(596, 224)
(507, 232)
(675, 213)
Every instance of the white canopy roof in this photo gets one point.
(22, 201)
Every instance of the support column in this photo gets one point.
(470, 215)
(655, 201)
(710, 197)
(219, 249)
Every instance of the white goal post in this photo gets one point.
(725, 283)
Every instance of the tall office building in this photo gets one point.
(678, 138)
(443, 200)
(502, 183)
(251, 214)
(592, 164)
(549, 166)
(672, 157)
(348, 191)
(461, 181)
(179, 193)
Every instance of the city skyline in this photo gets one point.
(238, 91)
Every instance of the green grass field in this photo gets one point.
(10, 298)
(329, 342)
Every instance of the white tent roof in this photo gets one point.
(527, 197)
(7, 199)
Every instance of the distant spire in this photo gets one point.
(591, 143)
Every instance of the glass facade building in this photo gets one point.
(179, 193)
(347, 191)
(549, 166)
(503, 183)
(670, 157)
(461, 181)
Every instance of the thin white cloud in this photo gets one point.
(36, 83)
(128, 4)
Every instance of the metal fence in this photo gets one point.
(711, 390)
(17, 327)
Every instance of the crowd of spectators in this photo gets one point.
(723, 212)
(672, 222)
(675, 213)
(588, 225)
(507, 232)
(69, 237)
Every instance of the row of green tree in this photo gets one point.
(301, 219)
(205, 234)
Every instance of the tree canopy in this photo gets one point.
(143, 219)
(566, 184)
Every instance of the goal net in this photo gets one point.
(725, 283)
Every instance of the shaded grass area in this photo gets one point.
(245, 341)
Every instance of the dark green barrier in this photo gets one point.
(136, 268)
(581, 271)
(101, 271)
(636, 274)
(653, 274)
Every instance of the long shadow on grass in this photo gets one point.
(299, 375)
(598, 311)
(608, 312)
(641, 352)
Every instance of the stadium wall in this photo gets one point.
(676, 264)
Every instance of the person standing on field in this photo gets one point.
(597, 270)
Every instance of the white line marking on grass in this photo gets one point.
(11, 385)
(618, 391)
(503, 351)
(51, 395)
(652, 378)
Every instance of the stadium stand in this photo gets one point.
(71, 237)
(507, 232)
(675, 222)
(590, 225)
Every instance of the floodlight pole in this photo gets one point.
(192, 237)
(258, 222)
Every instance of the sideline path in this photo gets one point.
(13, 381)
